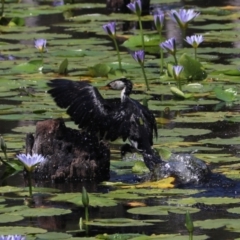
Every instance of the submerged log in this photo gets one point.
(70, 154)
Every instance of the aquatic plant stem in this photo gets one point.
(86, 214)
(190, 236)
(145, 77)
(175, 59)
(30, 183)
(184, 32)
(179, 84)
(141, 32)
(161, 54)
(195, 53)
(118, 53)
(42, 56)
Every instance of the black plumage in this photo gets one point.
(109, 118)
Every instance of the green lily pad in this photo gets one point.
(118, 222)
(31, 66)
(162, 210)
(183, 132)
(140, 167)
(136, 41)
(7, 218)
(215, 223)
(12, 230)
(76, 198)
(9, 189)
(206, 200)
(193, 69)
(53, 236)
(99, 70)
(170, 237)
(227, 95)
(220, 141)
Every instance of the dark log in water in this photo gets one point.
(71, 154)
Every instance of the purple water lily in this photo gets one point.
(169, 45)
(136, 7)
(110, 29)
(177, 71)
(183, 16)
(40, 44)
(139, 56)
(194, 40)
(159, 19)
(30, 161)
(12, 237)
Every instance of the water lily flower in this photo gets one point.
(169, 45)
(30, 161)
(136, 7)
(139, 56)
(177, 71)
(194, 40)
(159, 19)
(40, 44)
(183, 16)
(12, 237)
(110, 29)
(176, 74)
(57, 3)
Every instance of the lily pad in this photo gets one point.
(76, 198)
(11, 230)
(193, 69)
(7, 218)
(53, 236)
(162, 210)
(118, 222)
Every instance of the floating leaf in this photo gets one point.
(193, 69)
(31, 66)
(76, 198)
(136, 41)
(8, 189)
(162, 210)
(8, 230)
(164, 183)
(7, 218)
(118, 222)
(99, 70)
(227, 95)
(140, 167)
(206, 200)
(53, 236)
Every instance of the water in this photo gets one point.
(174, 222)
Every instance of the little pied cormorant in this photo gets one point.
(109, 118)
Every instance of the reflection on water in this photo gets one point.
(174, 222)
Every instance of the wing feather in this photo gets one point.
(84, 103)
(108, 117)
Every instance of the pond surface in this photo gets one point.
(205, 124)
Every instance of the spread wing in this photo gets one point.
(108, 117)
(83, 102)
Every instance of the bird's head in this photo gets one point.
(120, 84)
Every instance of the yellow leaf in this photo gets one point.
(135, 204)
(163, 183)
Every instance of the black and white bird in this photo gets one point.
(113, 118)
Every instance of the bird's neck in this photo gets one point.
(125, 93)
